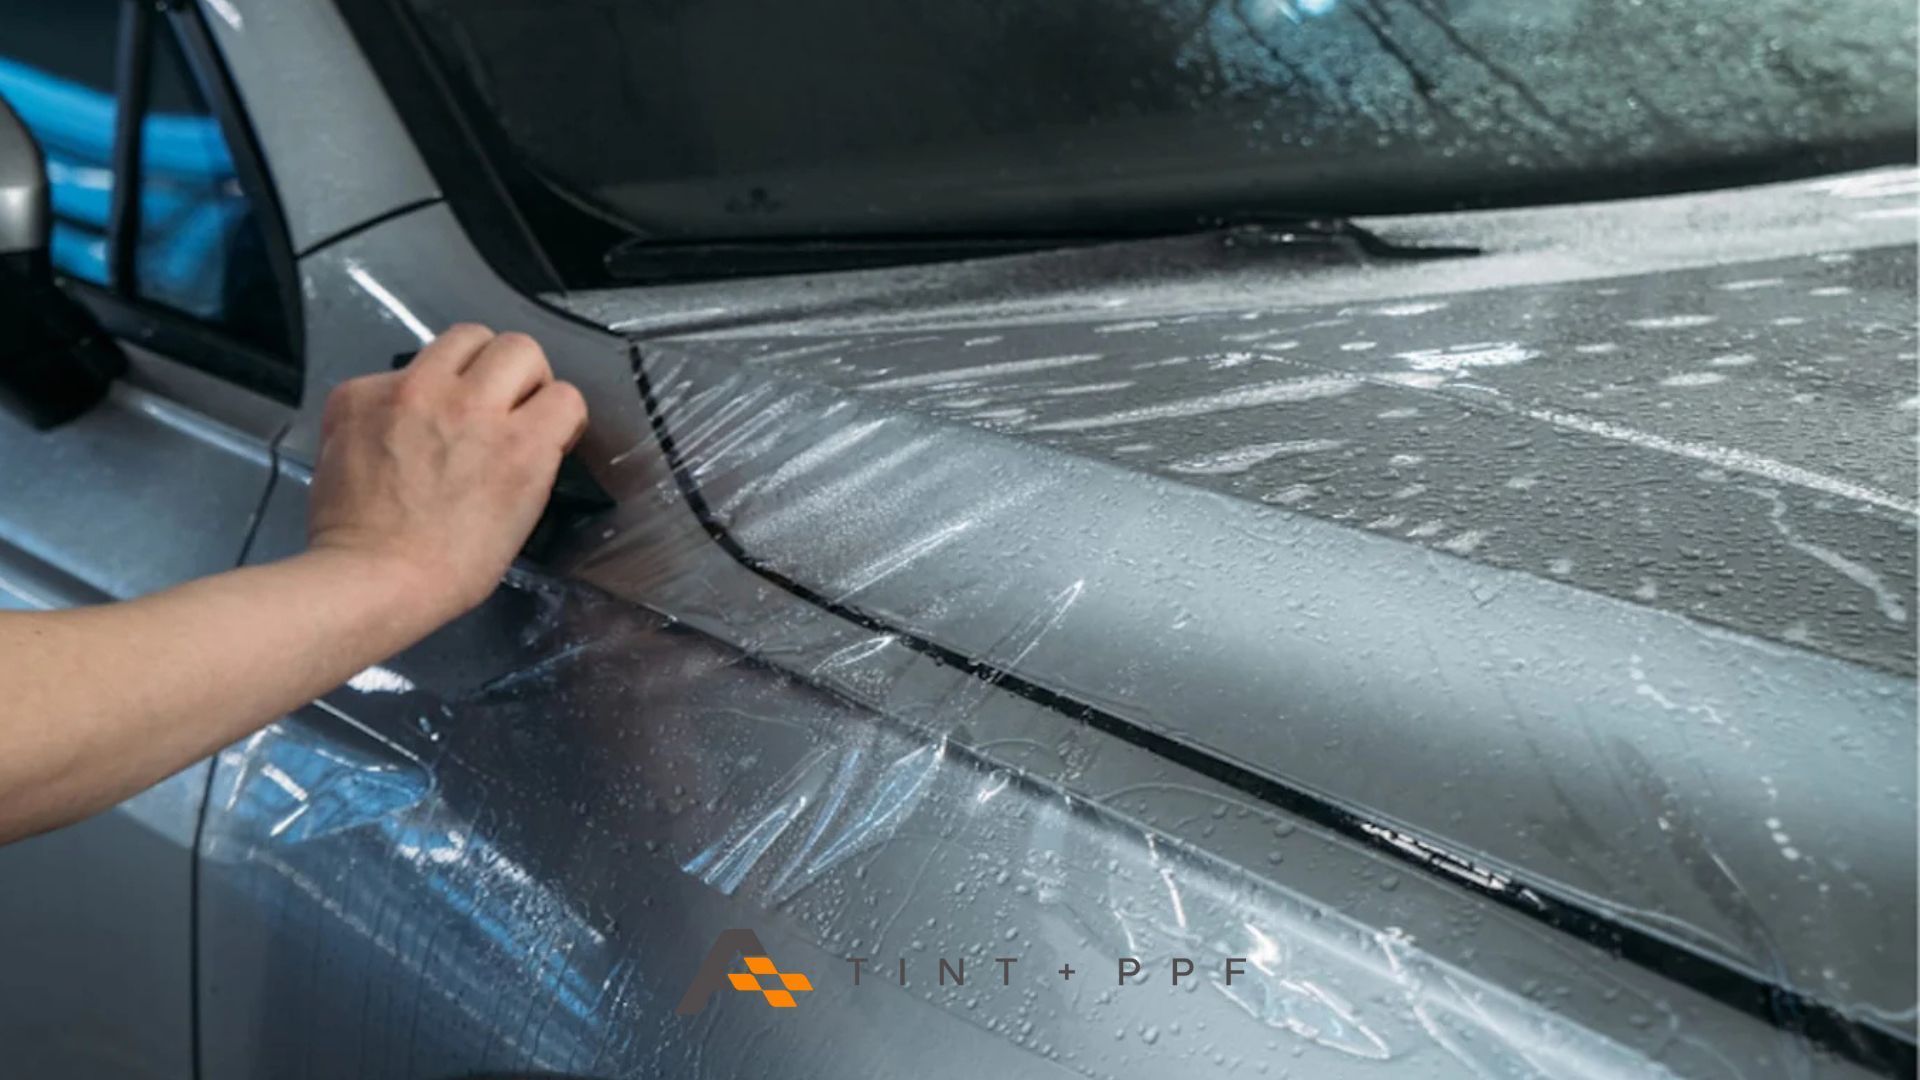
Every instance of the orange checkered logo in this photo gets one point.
(762, 976)
(780, 988)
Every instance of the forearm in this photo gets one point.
(97, 703)
(448, 461)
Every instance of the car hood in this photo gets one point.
(1734, 443)
(1597, 589)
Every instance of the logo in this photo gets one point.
(776, 987)
(762, 975)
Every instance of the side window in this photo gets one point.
(57, 71)
(193, 250)
(200, 250)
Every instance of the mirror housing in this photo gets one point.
(26, 215)
(55, 361)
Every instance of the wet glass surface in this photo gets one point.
(760, 120)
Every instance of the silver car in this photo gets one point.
(1308, 538)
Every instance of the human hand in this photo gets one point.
(435, 475)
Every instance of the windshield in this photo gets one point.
(746, 121)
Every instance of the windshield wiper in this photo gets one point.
(643, 260)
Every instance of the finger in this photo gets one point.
(508, 370)
(450, 353)
(557, 412)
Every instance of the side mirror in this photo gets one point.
(25, 213)
(55, 362)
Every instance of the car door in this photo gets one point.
(166, 233)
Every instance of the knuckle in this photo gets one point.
(516, 340)
(521, 349)
(345, 396)
(410, 392)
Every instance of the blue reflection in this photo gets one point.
(296, 793)
(190, 203)
(287, 789)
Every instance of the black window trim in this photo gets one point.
(472, 180)
(190, 341)
(132, 67)
(276, 373)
